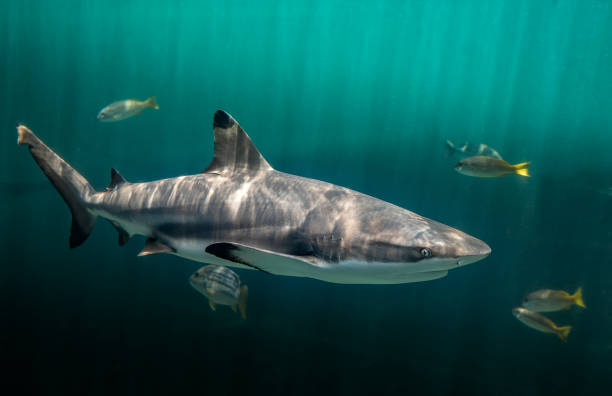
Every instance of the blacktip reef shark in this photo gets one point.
(242, 213)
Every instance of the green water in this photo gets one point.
(358, 93)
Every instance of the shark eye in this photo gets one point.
(425, 252)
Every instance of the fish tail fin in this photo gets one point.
(563, 332)
(522, 169)
(578, 298)
(152, 102)
(70, 184)
(242, 300)
(450, 148)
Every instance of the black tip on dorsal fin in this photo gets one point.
(222, 120)
(234, 150)
(116, 179)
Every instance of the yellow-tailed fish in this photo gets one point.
(553, 300)
(541, 323)
(483, 166)
(123, 109)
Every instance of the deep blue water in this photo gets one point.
(358, 93)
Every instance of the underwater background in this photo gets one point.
(363, 94)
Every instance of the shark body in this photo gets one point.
(242, 213)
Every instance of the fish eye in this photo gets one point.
(425, 252)
(196, 275)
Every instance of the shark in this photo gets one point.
(241, 212)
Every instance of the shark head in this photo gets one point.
(444, 248)
(392, 245)
(433, 247)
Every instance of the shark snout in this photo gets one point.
(472, 250)
(450, 247)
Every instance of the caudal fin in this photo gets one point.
(73, 187)
(152, 102)
(578, 298)
(522, 169)
(563, 332)
(242, 300)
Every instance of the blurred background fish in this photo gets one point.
(468, 149)
(605, 191)
(553, 300)
(482, 166)
(221, 286)
(123, 109)
(541, 323)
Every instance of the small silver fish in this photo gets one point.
(541, 323)
(123, 109)
(553, 300)
(469, 149)
(481, 166)
(221, 286)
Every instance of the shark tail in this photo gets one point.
(242, 300)
(522, 169)
(74, 188)
(563, 332)
(578, 298)
(152, 102)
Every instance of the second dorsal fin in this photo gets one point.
(234, 150)
(116, 179)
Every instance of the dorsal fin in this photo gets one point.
(116, 179)
(234, 150)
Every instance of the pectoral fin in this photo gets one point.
(261, 259)
(212, 305)
(153, 246)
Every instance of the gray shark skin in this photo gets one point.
(242, 213)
